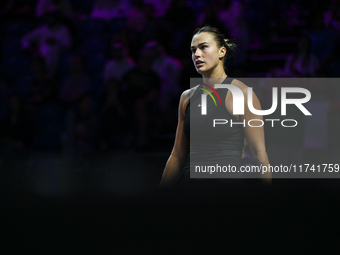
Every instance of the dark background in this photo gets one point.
(75, 176)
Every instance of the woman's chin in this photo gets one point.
(200, 70)
(203, 72)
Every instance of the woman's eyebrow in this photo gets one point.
(192, 47)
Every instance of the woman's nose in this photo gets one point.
(197, 53)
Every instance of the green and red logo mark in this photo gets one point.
(209, 93)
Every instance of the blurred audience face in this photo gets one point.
(145, 62)
(117, 51)
(153, 53)
(112, 85)
(152, 50)
(76, 65)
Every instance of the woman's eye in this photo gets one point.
(203, 47)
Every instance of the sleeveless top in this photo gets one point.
(222, 144)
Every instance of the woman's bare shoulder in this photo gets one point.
(187, 94)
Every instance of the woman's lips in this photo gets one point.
(199, 64)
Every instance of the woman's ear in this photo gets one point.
(222, 52)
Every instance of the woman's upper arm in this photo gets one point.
(181, 146)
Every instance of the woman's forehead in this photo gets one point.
(201, 38)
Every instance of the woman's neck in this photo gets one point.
(214, 78)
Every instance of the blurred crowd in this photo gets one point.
(94, 75)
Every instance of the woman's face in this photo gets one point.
(205, 53)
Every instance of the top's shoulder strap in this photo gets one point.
(228, 80)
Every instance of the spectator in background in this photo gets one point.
(332, 22)
(180, 15)
(86, 128)
(231, 15)
(16, 130)
(208, 16)
(322, 40)
(136, 16)
(121, 36)
(169, 72)
(303, 63)
(109, 9)
(332, 16)
(180, 21)
(49, 41)
(143, 86)
(147, 28)
(42, 89)
(160, 7)
(257, 16)
(112, 116)
(77, 83)
(119, 64)
(44, 7)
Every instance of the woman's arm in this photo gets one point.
(176, 162)
(255, 135)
